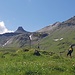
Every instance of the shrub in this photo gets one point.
(56, 57)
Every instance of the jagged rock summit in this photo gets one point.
(20, 30)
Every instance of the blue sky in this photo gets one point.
(33, 15)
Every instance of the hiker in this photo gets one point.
(38, 47)
(37, 53)
(70, 51)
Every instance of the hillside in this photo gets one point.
(26, 63)
(50, 28)
(15, 39)
(61, 37)
(55, 37)
(20, 38)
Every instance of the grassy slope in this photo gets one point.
(25, 63)
(68, 35)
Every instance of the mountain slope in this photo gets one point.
(21, 30)
(13, 39)
(20, 38)
(55, 37)
(50, 28)
(61, 37)
(18, 41)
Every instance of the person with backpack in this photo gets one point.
(70, 51)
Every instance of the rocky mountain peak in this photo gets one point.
(49, 28)
(71, 20)
(20, 30)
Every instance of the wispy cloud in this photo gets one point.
(3, 28)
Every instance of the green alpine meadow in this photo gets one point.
(23, 62)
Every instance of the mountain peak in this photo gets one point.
(71, 20)
(49, 28)
(20, 30)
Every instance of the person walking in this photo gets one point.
(70, 51)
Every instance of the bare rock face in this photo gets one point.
(49, 28)
(20, 30)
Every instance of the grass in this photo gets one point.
(68, 35)
(25, 63)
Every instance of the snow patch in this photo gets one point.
(58, 39)
(8, 42)
(61, 38)
(30, 37)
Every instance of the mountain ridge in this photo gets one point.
(58, 30)
(49, 28)
(20, 30)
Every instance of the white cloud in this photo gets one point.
(3, 28)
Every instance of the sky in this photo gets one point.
(33, 15)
